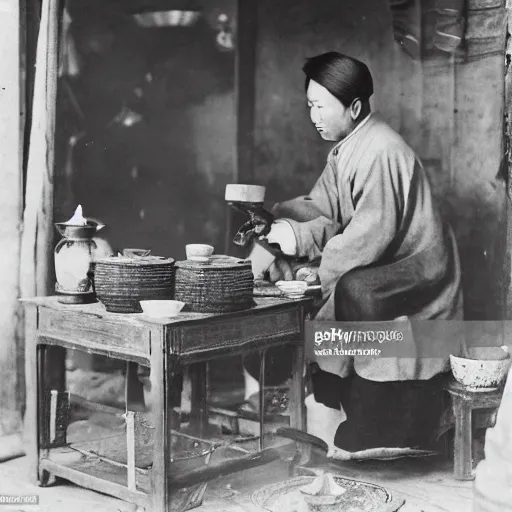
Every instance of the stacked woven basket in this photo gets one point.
(223, 285)
(120, 282)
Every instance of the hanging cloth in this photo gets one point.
(407, 25)
(450, 24)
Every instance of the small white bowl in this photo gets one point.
(199, 252)
(161, 308)
(292, 289)
(485, 370)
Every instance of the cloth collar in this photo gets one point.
(354, 131)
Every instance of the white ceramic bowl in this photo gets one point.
(198, 252)
(161, 308)
(292, 288)
(244, 193)
(486, 369)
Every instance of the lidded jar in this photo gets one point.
(73, 257)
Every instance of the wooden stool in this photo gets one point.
(464, 402)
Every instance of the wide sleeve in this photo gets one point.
(315, 217)
(380, 190)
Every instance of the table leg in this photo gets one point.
(55, 368)
(175, 390)
(261, 397)
(51, 376)
(297, 403)
(161, 450)
(463, 450)
(32, 400)
(198, 373)
(43, 476)
(133, 391)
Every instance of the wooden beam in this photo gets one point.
(31, 16)
(507, 141)
(508, 101)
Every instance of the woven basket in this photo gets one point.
(221, 286)
(120, 283)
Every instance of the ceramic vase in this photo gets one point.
(73, 258)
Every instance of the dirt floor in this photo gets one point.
(427, 485)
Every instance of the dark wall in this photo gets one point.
(158, 184)
(289, 154)
(449, 112)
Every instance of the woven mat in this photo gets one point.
(359, 496)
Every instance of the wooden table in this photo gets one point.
(464, 403)
(166, 347)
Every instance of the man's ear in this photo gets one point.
(355, 109)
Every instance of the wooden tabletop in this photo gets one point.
(189, 336)
(98, 310)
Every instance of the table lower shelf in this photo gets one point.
(90, 471)
(96, 475)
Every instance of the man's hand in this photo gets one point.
(281, 233)
(261, 224)
(280, 270)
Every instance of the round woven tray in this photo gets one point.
(120, 283)
(359, 497)
(223, 285)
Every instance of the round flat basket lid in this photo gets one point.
(216, 264)
(135, 262)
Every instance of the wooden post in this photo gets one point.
(10, 213)
(130, 450)
(199, 399)
(508, 96)
(245, 91)
(31, 411)
(33, 254)
(159, 393)
(38, 230)
(507, 136)
(297, 405)
(261, 395)
(463, 449)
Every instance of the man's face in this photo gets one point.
(330, 117)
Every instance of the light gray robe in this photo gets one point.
(373, 204)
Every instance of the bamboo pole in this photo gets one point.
(36, 239)
(36, 253)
